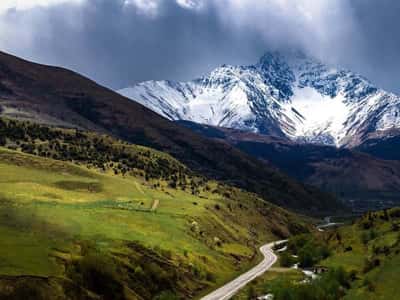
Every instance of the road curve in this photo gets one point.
(230, 289)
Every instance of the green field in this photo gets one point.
(51, 211)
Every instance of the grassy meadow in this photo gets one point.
(52, 211)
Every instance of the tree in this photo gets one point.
(166, 295)
(307, 256)
(286, 260)
(251, 293)
(385, 215)
(3, 140)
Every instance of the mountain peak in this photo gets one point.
(288, 94)
(287, 57)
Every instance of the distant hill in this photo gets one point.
(383, 145)
(363, 181)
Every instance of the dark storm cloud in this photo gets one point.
(117, 43)
(376, 54)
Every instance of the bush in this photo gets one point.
(307, 257)
(210, 277)
(309, 249)
(395, 213)
(3, 140)
(286, 260)
(370, 264)
(368, 236)
(166, 295)
(369, 285)
(251, 293)
(330, 285)
(139, 271)
(348, 249)
(98, 273)
(297, 242)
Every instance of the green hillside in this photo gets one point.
(361, 261)
(127, 220)
(370, 249)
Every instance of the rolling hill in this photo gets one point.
(88, 216)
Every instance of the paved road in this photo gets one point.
(227, 291)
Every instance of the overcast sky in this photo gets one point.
(119, 42)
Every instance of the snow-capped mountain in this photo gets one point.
(292, 96)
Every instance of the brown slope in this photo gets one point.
(385, 145)
(358, 178)
(61, 97)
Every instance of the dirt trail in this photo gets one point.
(155, 205)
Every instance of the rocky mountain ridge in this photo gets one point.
(286, 95)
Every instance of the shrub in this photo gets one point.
(98, 273)
(286, 260)
(251, 293)
(139, 271)
(3, 140)
(210, 277)
(307, 257)
(370, 264)
(368, 236)
(395, 213)
(166, 295)
(309, 249)
(330, 285)
(369, 285)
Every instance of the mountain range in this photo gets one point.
(289, 95)
(322, 125)
(298, 175)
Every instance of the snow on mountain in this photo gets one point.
(286, 95)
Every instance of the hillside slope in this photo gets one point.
(87, 226)
(362, 181)
(369, 248)
(385, 146)
(60, 97)
(357, 261)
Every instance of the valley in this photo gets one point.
(199, 150)
(65, 213)
(101, 198)
(323, 125)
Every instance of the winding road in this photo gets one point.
(230, 289)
